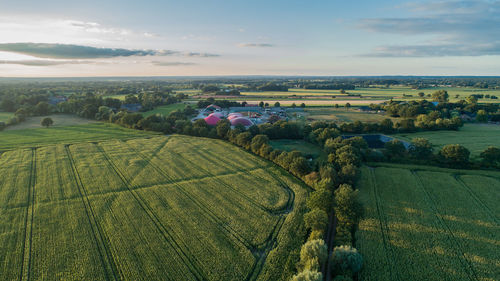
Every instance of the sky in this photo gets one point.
(55, 38)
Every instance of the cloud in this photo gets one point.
(42, 62)
(255, 45)
(200, 55)
(451, 28)
(66, 51)
(174, 63)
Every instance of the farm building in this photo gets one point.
(212, 120)
(241, 121)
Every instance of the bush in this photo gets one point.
(314, 249)
(420, 148)
(491, 156)
(316, 234)
(320, 199)
(342, 278)
(394, 149)
(454, 155)
(316, 219)
(346, 259)
(308, 275)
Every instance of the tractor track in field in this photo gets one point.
(264, 208)
(169, 238)
(459, 249)
(100, 239)
(478, 200)
(382, 221)
(261, 251)
(26, 257)
(208, 213)
(216, 178)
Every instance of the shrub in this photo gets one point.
(346, 259)
(455, 155)
(308, 275)
(316, 234)
(314, 249)
(420, 148)
(316, 219)
(320, 199)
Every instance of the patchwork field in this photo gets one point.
(160, 208)
(11, 139)
(427, 223)
(475, 137)
(59, 120)
(342, 115)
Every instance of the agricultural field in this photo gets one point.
(165, 109)
(341, 115)
(12, 139)
(376, 93)
(160, 208)
(475, 137)
(427, 223)
(59, 121)
(4, 116)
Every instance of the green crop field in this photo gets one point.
(475, 137)
(394, 92)
(11, 139)
(160, 208)
(427, 223)
(165, 109)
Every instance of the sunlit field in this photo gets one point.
(426, 223)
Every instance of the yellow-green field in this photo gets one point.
(475, 137)
(425, 223)
(341, 115)
(161, 208)
(12, 139)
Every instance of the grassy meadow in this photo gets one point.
(426, 223)
(23, 138)
(475, 137)
(160, 208)
(165, 109)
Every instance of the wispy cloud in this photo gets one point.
(174, 63)
(452, 28)
(199, 55)
(255, 45)
(66, 51)
(42, 62)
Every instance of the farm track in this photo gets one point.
(383, 230)
(487, 209)
(108, 263)
(459, 248)
(156, 221)
(28, 223)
